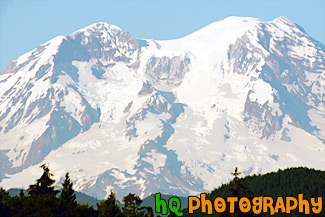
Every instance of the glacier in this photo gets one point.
(170, 116)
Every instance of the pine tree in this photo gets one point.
(238, 188)
(235, 185)
(149, 211)
(171, 214)
(4, 199)
(108, 207)
(132, 206)
(43, 185)
(67, 195)
(21, 193)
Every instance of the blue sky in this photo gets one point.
(25, 24)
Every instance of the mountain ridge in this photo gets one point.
(155, 115)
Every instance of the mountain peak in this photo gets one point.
(174, 116)
(284, 20)
(98, 27)
(226, 30)
(103, 25)
(238, 19)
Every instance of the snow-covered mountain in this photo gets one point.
(176, 116)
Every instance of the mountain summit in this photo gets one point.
(175, 116)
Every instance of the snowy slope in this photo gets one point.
(176, 116)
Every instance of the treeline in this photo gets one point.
(283, 183)
(43, 200)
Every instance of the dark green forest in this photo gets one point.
(42, 199)
(283, 183)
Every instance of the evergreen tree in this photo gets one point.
(171, 214)
(4, 199)
(43, 185)
(67, 195)
(21, 193)
(108, 207)
(235, 185)
(132, 206)
(149, 211)
(238, 188)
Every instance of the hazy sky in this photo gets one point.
(25, 24)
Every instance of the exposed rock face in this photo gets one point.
(52, 78)
(146, 89)
(289, 72)
(168, 71)
(176, 117)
